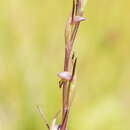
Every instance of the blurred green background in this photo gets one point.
(32, 52)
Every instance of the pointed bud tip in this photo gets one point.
(79, 19)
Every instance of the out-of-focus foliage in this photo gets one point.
(31, 54)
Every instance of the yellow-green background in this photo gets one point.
(31, 54)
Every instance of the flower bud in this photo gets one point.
(78, 19)
(65, 75)
(55, 127)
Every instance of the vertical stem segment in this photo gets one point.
(70, 34)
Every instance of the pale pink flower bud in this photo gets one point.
(78, 19)
(55, 127)
(65, 75)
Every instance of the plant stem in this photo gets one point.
(70, 35)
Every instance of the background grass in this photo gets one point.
(31, 54)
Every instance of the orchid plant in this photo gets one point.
(68, 76)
